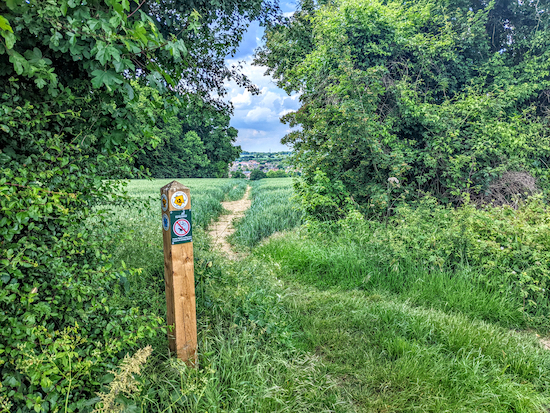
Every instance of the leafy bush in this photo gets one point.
(60, 331)
(446, 97)
(511, 247)
(276, 174)
(323, 198)
(238, 175)
(257, 174)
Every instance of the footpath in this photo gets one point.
(223, 228)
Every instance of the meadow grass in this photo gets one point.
(393, 357)
(247, 362)
(401, 338)
(246, 359)
(332, 261)
(237, 191)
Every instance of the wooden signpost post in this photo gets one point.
(179, 271)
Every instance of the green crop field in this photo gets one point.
(343, 318)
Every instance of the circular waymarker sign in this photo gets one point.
(179, 200)
(165, 222)
(181, 227)
(164, 202)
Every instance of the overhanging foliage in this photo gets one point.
(68, 123)
(444, 97)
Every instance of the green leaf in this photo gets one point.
(112, 52)
(10, 39)
(40, 82)
(129, 90)
(101, 49)
(11, 4)
(5, 24)
(141, 33)
(108, 78)
(20, 64)
(93, 24)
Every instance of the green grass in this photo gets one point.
(327, 319)
(237, 191)
(334, 261)
(246, 360)
(271, 211)
(206, 195)
(246, 357)
(393, 357)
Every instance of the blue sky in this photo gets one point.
(257, 117)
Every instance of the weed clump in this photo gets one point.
(124, 382)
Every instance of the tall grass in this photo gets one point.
(393, 357)
(343, 318)
(489, 263)
(272, 210)
(332, 261)
(206, 195)
(237, 191)
(246, 358)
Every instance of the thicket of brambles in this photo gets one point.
(400, 100)
(71, 75)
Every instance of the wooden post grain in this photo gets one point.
(179, 271)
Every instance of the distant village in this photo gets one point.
(273, 164)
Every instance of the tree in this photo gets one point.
(68, 111)
(238, 175)
(276, 174)
(442, 98)
(257, 174)
(218, 138)
(175, 154)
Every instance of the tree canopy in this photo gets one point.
(196, 142)
(442, 96)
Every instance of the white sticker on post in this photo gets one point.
(179, 200)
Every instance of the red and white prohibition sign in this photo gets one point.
(181, 227)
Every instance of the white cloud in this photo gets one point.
(256, 117)
(270, 99)
(241, 99)
(258, 140)
(259, 114)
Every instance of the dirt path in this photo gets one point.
(223, 228)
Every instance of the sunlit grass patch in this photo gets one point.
(394, 357)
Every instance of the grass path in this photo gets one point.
(223, 228)
(389, 356)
